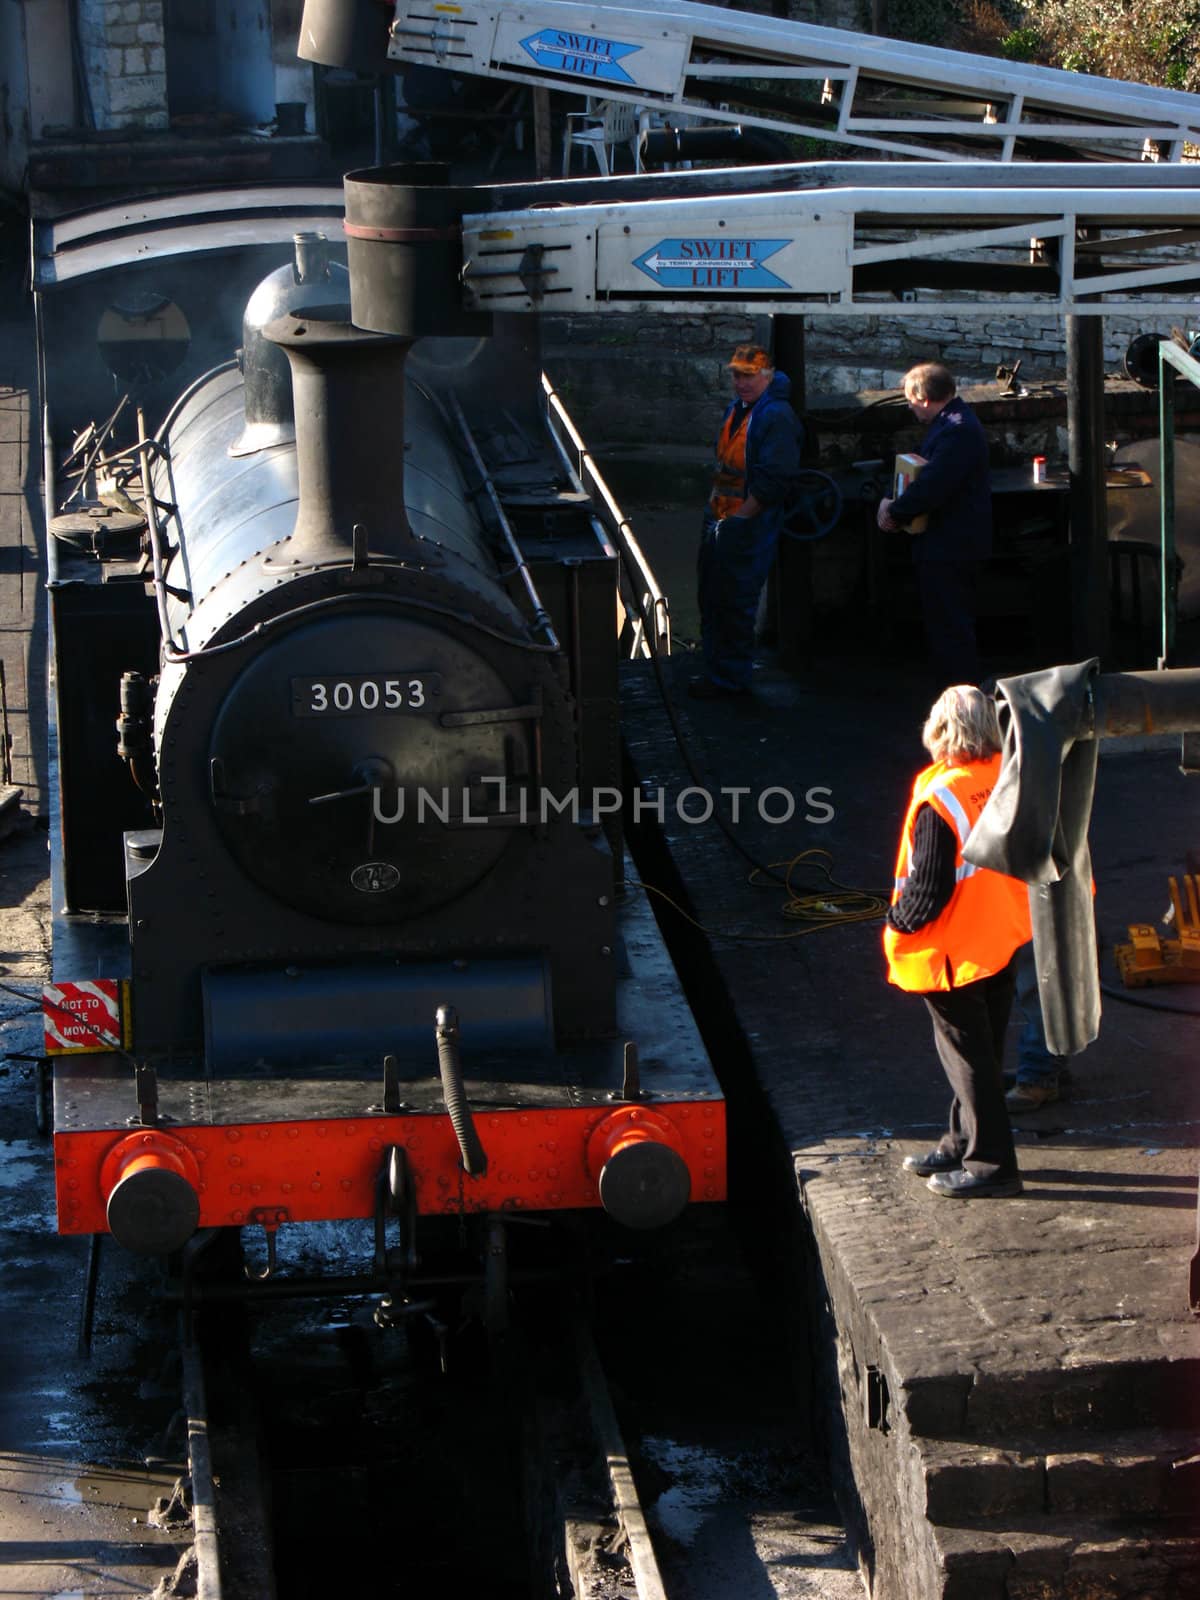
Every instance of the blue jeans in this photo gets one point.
(1035, 1064)
(731, 570)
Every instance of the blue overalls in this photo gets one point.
(764, 442)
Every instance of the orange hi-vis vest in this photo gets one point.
(987, 918)
(729, 480)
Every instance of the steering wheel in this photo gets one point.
(815, 507)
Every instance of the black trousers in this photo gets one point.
(968, 1030)
(947, 594)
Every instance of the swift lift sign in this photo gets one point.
(671, 252)
(501, 37)
(712, 263)
(583, 55)
(695, 251)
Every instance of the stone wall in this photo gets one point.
(627, 378)
(855, 440)
(849, 354)
(125, 61)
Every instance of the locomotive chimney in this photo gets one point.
(348, 391)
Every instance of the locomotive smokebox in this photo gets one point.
(348, 390)
(404, 251)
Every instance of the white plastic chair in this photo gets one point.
(602, 128)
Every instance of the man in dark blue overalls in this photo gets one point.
(758, 459)
(954, 490)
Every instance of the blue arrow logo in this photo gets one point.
(581, 54)
(712, 263)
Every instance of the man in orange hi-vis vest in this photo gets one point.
(952, 935)
(758, 459)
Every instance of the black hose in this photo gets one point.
(450, 1066)
(664, 693)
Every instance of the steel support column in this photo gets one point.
(1169, 582)
(790, 596)
(1086, 460)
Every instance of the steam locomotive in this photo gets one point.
(341, 926)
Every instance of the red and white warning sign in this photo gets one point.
(83, 1017)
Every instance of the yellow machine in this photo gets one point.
(1149, 958)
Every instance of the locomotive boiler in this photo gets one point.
(376, 959)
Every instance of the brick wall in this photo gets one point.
(125, 60)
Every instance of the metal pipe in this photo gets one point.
(1126, 704)
(732, 144)
(474, 1160)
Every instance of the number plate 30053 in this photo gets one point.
(360, 694)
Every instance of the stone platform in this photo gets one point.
(1012, 1386)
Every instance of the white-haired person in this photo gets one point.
(952, 935)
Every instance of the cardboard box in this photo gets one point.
(907, 471)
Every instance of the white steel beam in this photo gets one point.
(677, 56)
(825, 252)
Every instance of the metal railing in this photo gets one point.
(646, 628)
